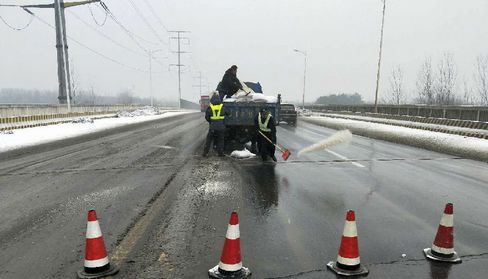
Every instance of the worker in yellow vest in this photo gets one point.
(215, 115)
(264, 123)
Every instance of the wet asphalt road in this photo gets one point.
(164, 209)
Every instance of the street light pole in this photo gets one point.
(379, 60)
(304, 74)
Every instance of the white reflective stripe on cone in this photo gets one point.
(347, 261)
(447, 220)
(96, 263)
(446, 251)
(233, 232)
(350, 229)
(93, 229)
(230, 267)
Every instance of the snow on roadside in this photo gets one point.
(147, 110)
(468, 147)
(404, 123)
(44, 134)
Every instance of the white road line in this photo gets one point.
(345, 158)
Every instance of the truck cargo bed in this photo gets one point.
(244, 113)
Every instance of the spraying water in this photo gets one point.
(343, 136)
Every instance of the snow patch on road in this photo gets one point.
(242, 154)
(39, 135)
(214, 188)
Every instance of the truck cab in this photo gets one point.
(204, 102)
(288, 114)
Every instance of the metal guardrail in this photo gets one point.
(469, 113)
(37, 110)
(419, 114)
(26, 116)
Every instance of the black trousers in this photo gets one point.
(264, 146)
(219, 136)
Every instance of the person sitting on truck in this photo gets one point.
(230, 84)
(266, 133)
(215, 115)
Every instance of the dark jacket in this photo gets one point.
(216, 125)
(230, 84)
(271, 125)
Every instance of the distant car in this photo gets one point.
(288, 114)
(304, 112)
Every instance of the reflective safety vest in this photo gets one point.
(216, 110)
(264, 126)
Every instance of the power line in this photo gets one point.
(134, 6)
(131, 34)
(155, 15)
(95, 20)
(127, 31)
(17, 28)
(89, 48)
(179, 65)
(104, 35)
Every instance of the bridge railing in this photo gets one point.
(31, 110)
(24, 116)
(469, 113)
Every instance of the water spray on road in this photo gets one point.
(343, 136)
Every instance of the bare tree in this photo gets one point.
(125, 97)
(425, 83)
(446, 81)
(74, 84)
(396, 93)
(468, 97)
(481, 78)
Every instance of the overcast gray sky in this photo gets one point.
(341, 38)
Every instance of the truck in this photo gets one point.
(288, 114)
(241, 115)
(204, 102)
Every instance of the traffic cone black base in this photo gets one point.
(216, 272)
(432, 255)
(359, 271)
(83, 274)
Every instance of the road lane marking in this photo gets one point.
(344, 158)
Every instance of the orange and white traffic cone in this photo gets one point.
(443, 247)
(348, 262)
(96, 263)
(230, 265)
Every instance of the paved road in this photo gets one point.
(164, 209)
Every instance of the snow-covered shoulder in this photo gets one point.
(467, 147)
(38, 135)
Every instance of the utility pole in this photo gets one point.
(379, 60)
(179, 65)
(62, 50)
(64, 79)
(200, 79)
